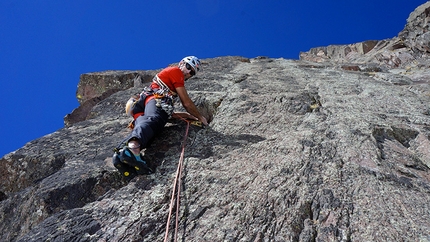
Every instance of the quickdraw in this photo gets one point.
(197, 123)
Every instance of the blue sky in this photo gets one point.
(46, 44)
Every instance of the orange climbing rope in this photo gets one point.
(177, 189)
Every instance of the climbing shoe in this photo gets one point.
(136, 161)
(127, 171)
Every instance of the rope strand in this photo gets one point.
(177, 183)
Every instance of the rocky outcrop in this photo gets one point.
(415, 35)
(303, 150)
(410, 49)
(95, 87)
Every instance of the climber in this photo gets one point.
(151, 111)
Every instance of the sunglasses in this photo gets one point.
(192, 72)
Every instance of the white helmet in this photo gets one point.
(193, 61)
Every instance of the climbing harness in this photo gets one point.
(177, 189)
(163, 96)
(135, 106)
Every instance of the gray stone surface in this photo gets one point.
(295, 151)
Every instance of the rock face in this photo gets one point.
(332, 147)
